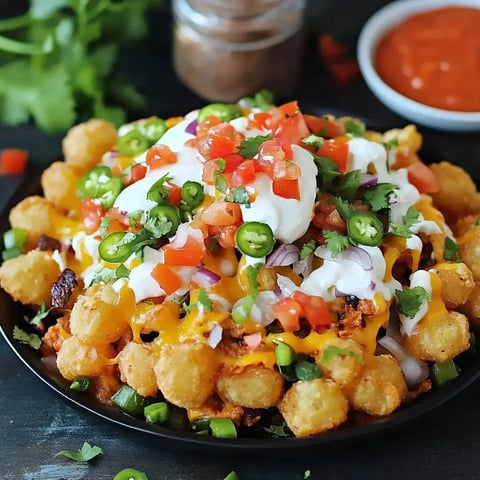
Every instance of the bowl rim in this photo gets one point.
(372, 32)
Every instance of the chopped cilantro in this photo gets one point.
(313, 140)
(252, 274)
(249, 146)
(122, 272)
(239, 195)
(278, 431)
(84, 454)
(410, 300)
(232, 476)
(344, 207)
(220, 182)
(348, 185)
(31, 339)
(336, 242)
(42, 313)
(332, 351)
(327, 172)
(400, 230)
(307, 249)
(204, 299)
(451, 250)
(307, 474)
(392, 143)
(134, 217)
(409, 219)
(305, 370)
(104, 224)
(263, 100)
(355, 127)
(159, 226)
(104, 275)
(221, 164)
(378, 197)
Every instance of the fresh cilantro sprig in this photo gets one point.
(410, 300)
(335, 241)
(354, 127)
(408, 220)
(307, 249)
(84, 454)
(203, 302)
(58, 66)
(42, 313)
(451, 250)
(249, 146)
(30, 339)
(378, 196)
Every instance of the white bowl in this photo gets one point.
(370, 36)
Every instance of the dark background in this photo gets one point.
(35, 422)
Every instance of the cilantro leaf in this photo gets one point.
(220, 182)
(348, 185)
(307, 474)
(332, 351)
(451, 250)
(204, 299)
(313, 140)
(327, 172)
(104, 224)
(157, 192)
(252, 274)
(400, 230)
(278, 431)
(336, 242)
(262, 100)
(344, 207)
(41, 314)
(410, 300)
(378, 197)
(239, 195)
(307, 249)
(355, 127)
(84, 454)
(392, 143)
(249, 147)
(409, 219)
(31, 339)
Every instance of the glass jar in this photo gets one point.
(224, 50)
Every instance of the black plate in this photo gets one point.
(347, 434)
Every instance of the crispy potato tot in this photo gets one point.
(379, 388)
(101, 315)
(76, 359)
(342, 368)
(59, 184)
(254, 386)
(29, 277)
(313, 406)
(457, 194)
(439, 338)
(136, 369)
(407, 137)
(186, 373)
(465, 224)
(457, 283)
(85, 144)
(470, 254)
(471, 307)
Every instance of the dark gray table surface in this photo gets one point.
(35, 422)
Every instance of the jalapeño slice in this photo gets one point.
(365, 228)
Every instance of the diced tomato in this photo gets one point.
(289, 109)
(422, 177)
(166, 278)
(216, 146)
(285, 170)
(260, 120)
(336, 150)
(116, 226)
(232, 161)
(286, 189)
(207, 124)
(137, 172)
(189, 255)
(209, 169)
(287, 311)
(160, 155)
(323, 127)
(92, 213)
(243, 174)
(314, 309)
(174, 193)
(221, 213)
(326, 217)
(225, 235)
(292, 130)
(269, 152)
(13, 160)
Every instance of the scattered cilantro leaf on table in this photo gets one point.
(84, 454)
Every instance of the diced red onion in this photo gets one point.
(253, 340)
(191, 128)
(286, 285)
(205, 278)
(215, 336)
(373, 285)
(339, 293)
(286, 254)
(353, 254)
(262, 310)
(368, 180)
(303, 267)
(414, 370)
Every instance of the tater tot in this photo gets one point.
(85, 144)
(76, 359)
(456, 190)
(439, 338)
(342, 368)
(379, 388)
(254, 386)
(470, 254)
(457, 283)
(59, 183)
(186, 373)
(36, 215)
(313, 406)
(407, 137)
(465, 224)
(471, 307)
(101, 315)
(29, 277)
(136, 369)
